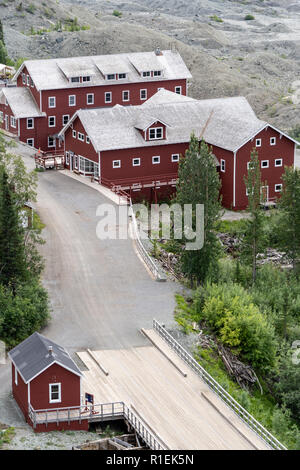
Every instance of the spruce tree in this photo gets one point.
(254, 238)
(12, 252)
(1, 33)
(199, 183)
(3, 54)
(289, 227)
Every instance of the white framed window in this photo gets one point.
(51, 121)
(155, 160)
(88, 140)
(273, 141)
(51, 141)
(67, 158)
(30, 142)
(65, 119)
(178, 90)
(31, 82)
(86, 79)
(157, 73)
(13, 121)
(81, 136)
(278, 188)
(116, 163)
(143, 94)
(72, 100)
(146, 74)
(278, 162)
(52, 102)
(175, 157)
(76, 162)
(111, 76)
(122, 76)
(75, 79)
(55, 393)
(264, 164)
(1, 116)
(16, 376)
(74, 134)
(28, 80)
(258, 143)
(155, 133)
(125, 95)
(30, 123)
(23, 78)
(90, 98)
(223, 165)
(136, 162)
(108, 97)
(248, 165)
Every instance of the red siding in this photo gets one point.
(8, 112)
(33, 89)
(70, 388)
(20, 392)
(284, 149)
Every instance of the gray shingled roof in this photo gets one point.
(50, 74)
(231, 122)
(32, 356)
(21, 102)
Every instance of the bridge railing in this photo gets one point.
(263, 433)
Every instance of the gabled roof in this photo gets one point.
(32, 356)
(51, 74)
(227, 122)
(21, 102)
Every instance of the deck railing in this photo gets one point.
(263, 433)
(99, 412)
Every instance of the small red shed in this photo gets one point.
(45, 378)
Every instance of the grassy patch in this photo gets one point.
(6, 436)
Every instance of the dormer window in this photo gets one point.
(86, 79)
(146, 74)
(155, 133)
(111, 76)
(157, 73)
(75, 79)
(122, 76)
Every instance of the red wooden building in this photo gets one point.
(50, 91)
(137, 149)
(44, 377)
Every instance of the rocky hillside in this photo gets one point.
(226, 53)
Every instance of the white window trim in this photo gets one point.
(258, 143)
(278, 159)
(30, 119)
(16, 376)
(123, 92)
(63, 119)
(273, 138)
(136, 164)
(177, 157)
(146, 94)
(72, 96)
(58, 400)
(80, 136)
(156, 163)
(88, 140)
(87, 98)
(278, 190)
(74, 134)
(51, 146)
(49, 102)
(105, 96)
(13, 122)
(118, 162)
(30, 139)
(223, 165)
(51, 117)
(264, 161)
(156, 129)
(178, 87)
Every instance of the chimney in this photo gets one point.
(158, 51)
(50, 350)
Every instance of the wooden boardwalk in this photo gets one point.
(181, 409)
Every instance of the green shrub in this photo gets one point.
(117, 13)
(249, 17)
(216, 18)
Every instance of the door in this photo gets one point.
(264, 194)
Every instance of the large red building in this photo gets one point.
(44, 377)
(50, 91)
(137, 148)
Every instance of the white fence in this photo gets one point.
(263, 433)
